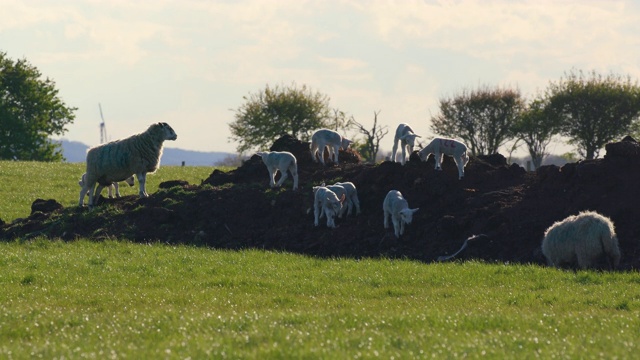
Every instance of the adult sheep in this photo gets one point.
(116, 160)
(584, 238)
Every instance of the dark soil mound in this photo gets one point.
(238, 210)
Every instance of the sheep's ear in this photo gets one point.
(342, 198)
(323, 184)
(418, 136)
(414, 210)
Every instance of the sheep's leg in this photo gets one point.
(404, 154)
(98, 191)
(386, 219)
(90, 188)
(314, 151)
(396, 226)
(294, 172)
(401, 227)
(395, 150)
(336, 152)
(316, 213)
(584, 261)
(460, 164)
(357, 203)
(438, 157)
(321, 151)
(117, 188)
(283, 176)
(142, 181)
(83, 192)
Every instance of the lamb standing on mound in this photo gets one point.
(582, 238)
(116, 160)
(396, 207)
(280, 161)
(439, 147)
(327, 138)
(327, 203)
(110, 187)
(407, 139)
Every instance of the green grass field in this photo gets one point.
(23, 182)
(117, 299)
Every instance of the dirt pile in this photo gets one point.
(238, 210)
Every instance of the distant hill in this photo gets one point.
(75, 151)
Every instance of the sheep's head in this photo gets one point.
(410, 139)
(335, 204)
(129, 180)
(167, 131)
(407, 215)
(345, 144)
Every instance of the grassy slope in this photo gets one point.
(88, 299)
(23, 182)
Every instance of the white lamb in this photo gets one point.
(116, 160)
(440, 147)
(583, 239)
(407, 138)
(352, 198)
(327, 203)
(109, 187)
(396, 207)
(282, 161)
(327, 138)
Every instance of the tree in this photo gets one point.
(594, 109)
(30, 112)
(369, 149)
(536, 127)
(482, 118)
(273, 112)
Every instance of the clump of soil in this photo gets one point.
(237, 209)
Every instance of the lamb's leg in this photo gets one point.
(283, 176)
(321, 151)
(460, 168)
(83, 192)
(386, 219)
(396, 226)
(117, 188)
(356, 202)
(438, 157)
(294, 172)
(142, 180)
(314, 151)
(316, 213)
(404, 154)
(394, 151)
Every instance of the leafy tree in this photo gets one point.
(273, 112)
(369, 149)
(483, 118)
(594, 109)
(536, 127)
(30, 112)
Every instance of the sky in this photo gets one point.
(190, 63)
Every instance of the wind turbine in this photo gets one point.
(103, 127)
